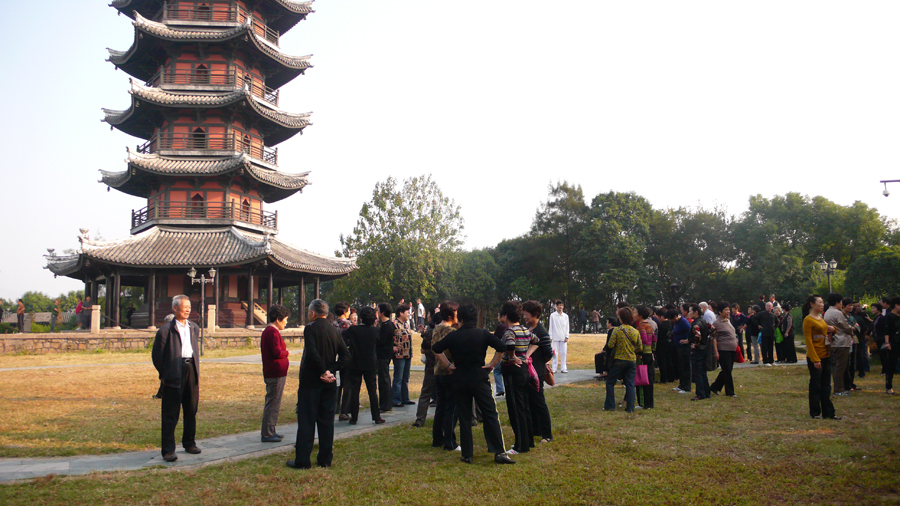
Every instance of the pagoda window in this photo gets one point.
(197, 207)
(203, 13)
(199, 139)
(245, 210)
(201, 74)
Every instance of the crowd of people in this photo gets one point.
(345, 346)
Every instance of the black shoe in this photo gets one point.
(467, 460)
(409, 403)
(817, 417)
(713, 391)
(322, 465)
(835, 418)
(278, 435)
(386, 410)
(192, 450)
(378, 421)
(293, 465)
(502, 458)
(270, 439)
(418, 425)
(437, 445)
(352, 422)
(170, 457)
(398, 405)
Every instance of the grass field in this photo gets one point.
(760, 448)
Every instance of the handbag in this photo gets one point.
(778, 337)
(549, 378)
(711, 363)
(640, 377)
(533, 380)
(739, 356)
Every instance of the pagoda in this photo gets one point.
(205, 79)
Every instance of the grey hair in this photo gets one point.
(319, 307)
(176, 301)
(169, 318)
(704, 306)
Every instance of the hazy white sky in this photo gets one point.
(681, 102)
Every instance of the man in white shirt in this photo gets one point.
(176, 357)
(708, 315)
(420, 314)
(559, 336)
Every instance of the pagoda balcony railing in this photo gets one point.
(200, 77)
(203, 211)
(207, 144)
(208, 14)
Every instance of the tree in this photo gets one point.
(469, 277)
(398, 242)
(615, 239)
(874, 274)
(560, 222)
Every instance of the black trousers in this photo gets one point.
(384, 384)
(342, 407)
(315, 411)
(664, 361)
(645, 393)
(540, 413)
(725, 377)
(889, 365)
(20, 321)
(516, 381)
(684, 368)
(768, 349)
(466, 390)
(354, 386)
(425, 395)
(445, 416)
(181, 398)
(698, 372)
(744, 341)
(820, 389)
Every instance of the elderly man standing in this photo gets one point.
(708, 314)
(175, 356)
(324, 353)
(559, 336)
(766, 321)
(841, 342)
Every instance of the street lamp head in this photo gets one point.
(212, 273)
(886, 192)
(192, 273)
(832, 264)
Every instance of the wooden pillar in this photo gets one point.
(107, 309)
(318, 295)
(87, 289)
(117, 296)
(215, 323)
(151, 298)
(301, 295)
(280, 295)
(270, 299)
(250, 300)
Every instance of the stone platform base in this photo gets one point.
(124, 340)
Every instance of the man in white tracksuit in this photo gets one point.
(559, 336)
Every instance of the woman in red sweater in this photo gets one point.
(275, 366)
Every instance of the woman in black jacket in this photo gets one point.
(540, 358)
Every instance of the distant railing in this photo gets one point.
(207, 14)
(204, 210)
(208, 142)
(202, 77)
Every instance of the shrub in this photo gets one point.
(6, 328)
(37, 328)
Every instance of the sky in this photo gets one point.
(686, 103)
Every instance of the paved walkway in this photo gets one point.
(225, 448)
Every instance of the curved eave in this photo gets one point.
(141, 119)
(69, 265)
(134, 181)
(137, 61)
(290, 12)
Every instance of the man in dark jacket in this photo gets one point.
(324, 353)
(175, 356)
(468, 346)
(384, 350)
(362, 339)
(766, 321)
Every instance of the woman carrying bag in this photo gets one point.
(648, 341)
(624, 343)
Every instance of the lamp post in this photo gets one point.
(673, 289)
(828, 268)
(203, 281)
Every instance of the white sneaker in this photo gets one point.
(638, 407)
(512, 452)
(680, 391)
(458, 449)
(676, 389)
(768, 365)
(566, 371)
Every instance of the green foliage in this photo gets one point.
(875, 274)
(37, 328)
(6, 328)
(399, 240)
